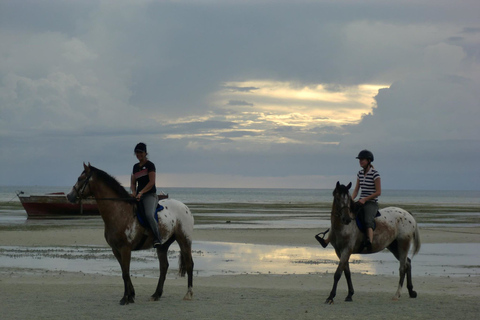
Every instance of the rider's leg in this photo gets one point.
(150, 202)
(370, 234)
(370, 210)
(323, 242)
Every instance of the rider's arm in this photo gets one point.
(355, 191)
(133, 183)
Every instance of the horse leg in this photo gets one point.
(186, 262)
(411, 292)
(348, 276)
(186, 265)
(336, 277)
(123, 258)
(163, 260)
(401, 255)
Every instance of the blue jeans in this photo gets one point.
(150, 202)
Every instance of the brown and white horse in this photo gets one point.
(125, 234)
(396, 230)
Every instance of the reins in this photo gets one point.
(338, 211)
(84, 186)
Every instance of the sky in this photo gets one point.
(240, 93)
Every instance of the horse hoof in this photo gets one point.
(348, 299)
(154, 297)
(126, 301)
(413, 294)
(188, 296)
(329, 301)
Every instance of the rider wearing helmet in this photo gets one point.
(143, 188)
(368, 181)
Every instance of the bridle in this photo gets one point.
(339, 208)
(79, 192)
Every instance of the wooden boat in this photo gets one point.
(56, 205)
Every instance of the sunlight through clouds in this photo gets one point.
(300, 105)
(266, 112)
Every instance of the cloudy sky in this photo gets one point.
(241, 93)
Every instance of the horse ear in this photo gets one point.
(349, 186)
(338, 184)
(86, 168)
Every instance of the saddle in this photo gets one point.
(142, 218)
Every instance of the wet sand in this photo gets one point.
(47, 294)
(94, 236)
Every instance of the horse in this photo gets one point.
(396, 230)
(124, 233)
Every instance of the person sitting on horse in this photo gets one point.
(143, 188)
(368, 181)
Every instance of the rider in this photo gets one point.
(368, 180)
(143, 188)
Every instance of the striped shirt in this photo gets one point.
(367, 182)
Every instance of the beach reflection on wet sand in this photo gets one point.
(216, 258)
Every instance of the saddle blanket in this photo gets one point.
(141, 216)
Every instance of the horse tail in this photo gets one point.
(185, 260)
(182, 264)
(416, 241)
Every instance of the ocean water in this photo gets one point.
(252, 195)
(277, 208)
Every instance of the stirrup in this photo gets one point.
(157, 244)
(321, 239)
(366, 244)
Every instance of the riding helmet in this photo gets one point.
(141, 147)
(365, 154)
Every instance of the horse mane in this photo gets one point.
(111, 182)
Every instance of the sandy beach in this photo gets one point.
(40, 294)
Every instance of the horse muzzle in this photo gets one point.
(346, 220)
(72, 196)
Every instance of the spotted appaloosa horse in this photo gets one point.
(396, 230)
(124, 233)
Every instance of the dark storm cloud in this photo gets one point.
(239, 103)
(241, 89)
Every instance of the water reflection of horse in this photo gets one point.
(124, 233)
(396, 230)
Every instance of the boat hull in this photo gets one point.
(57, 205)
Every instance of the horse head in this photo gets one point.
(81, 189)
(342, 202)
